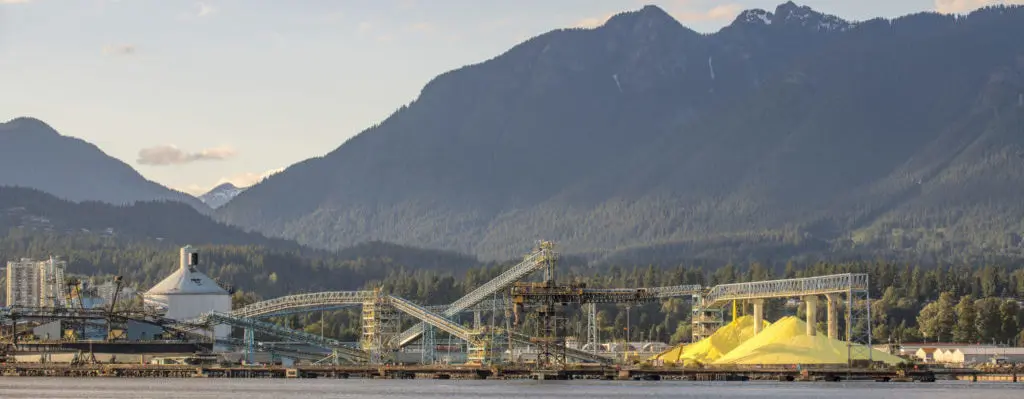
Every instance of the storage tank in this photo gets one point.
(188, 293)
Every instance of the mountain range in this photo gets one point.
(34, 155)
(787, 132)
(789, 127)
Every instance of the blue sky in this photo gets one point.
(194, 93)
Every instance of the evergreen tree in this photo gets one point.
(966, 321)
(1009, 312)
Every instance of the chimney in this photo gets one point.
(189, 258)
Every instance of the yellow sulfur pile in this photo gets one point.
(786, 342)
(711, 348)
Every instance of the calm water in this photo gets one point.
(23, 387)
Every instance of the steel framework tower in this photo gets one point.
(592, 337)
(858, 322)
(380, 326)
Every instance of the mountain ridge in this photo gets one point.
(72, 168)
(643, 132)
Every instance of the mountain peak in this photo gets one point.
(220, 195)
(755, 16)
(789, 13)
(28, 124)
(225, 186)
(650, 16)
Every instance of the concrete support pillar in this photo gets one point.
(833, 316)
(758, 314)
(812, 313)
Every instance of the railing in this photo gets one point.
(316, 299)
(837, 283)
(676, 291)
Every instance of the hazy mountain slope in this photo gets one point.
(25, 211)
(165, 221)
(789, 124)
(32, 154)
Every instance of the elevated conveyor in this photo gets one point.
(707, 315)
(341, 348)
(533, 262)
(434, 319)
(821, 285)
(311, 300)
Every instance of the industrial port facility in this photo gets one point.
(185, 326)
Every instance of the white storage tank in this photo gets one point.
(188, 293)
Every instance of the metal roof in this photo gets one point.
(187, 281)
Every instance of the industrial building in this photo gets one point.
(188, 293)
(32, 283)
(963, 354)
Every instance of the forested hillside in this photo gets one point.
(787, 132)
(141, 241)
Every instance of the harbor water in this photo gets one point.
(24, 387)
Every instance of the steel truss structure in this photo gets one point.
(708, 309)
(301, 301)
(479, 345)
(858, 324)
(836, 283)
(380, 325)
(534, 262)
(342, 349)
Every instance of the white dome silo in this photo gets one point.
(188, 293)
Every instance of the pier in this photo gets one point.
(500, 373)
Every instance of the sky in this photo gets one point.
(196, 93)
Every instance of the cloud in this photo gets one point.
(15, 1)
(722, 12)
(120, 49)
(962, 6)
(205, 10)
(593, 22)
(164, 155)
(242, 180)
(249, 178)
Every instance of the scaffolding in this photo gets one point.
(858, 324)
(704, 320)
(380, 325)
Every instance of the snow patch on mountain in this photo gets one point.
(220, 195)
